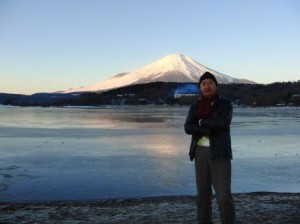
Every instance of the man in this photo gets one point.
(208, 121)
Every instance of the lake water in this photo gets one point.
(123, 152)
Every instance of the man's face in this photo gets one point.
(208, 87)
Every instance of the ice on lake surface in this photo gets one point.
(124, 152)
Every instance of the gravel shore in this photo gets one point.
(256, 208)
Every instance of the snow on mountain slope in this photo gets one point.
(172, 68)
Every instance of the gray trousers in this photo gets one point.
(217, 174)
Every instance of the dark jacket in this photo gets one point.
(217, 128)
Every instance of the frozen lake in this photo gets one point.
(123, 152)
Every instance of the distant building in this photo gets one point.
(178, 96)
(295, 99)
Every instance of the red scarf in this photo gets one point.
(204, 109)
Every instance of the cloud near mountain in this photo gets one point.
(171, 68)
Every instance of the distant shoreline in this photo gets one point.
(160, 93)
(255, 207)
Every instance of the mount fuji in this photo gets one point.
(172, 68)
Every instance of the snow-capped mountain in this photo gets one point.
(172, 68)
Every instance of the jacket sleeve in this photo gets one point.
(192, 126)
(221, 119)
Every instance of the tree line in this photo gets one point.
(258, 95)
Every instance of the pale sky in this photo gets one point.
(52, 45)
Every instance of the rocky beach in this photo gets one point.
(259, 207)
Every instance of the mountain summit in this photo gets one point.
(171, 68)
